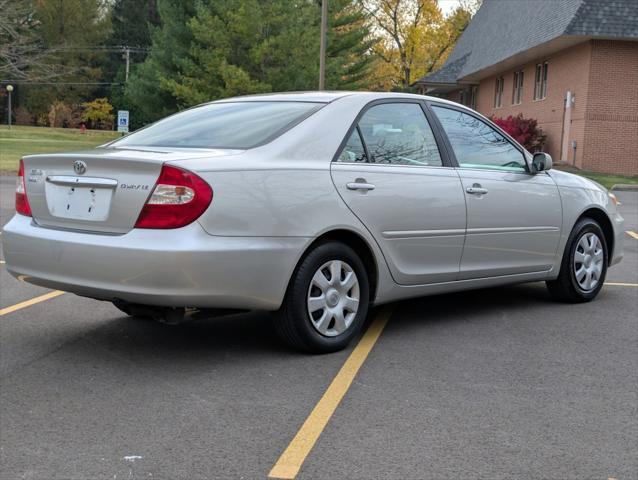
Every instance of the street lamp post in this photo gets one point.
(9, 90)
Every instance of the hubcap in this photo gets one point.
(588, 261)
(333, 298)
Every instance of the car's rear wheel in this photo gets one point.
(327, 300)
(584, 264)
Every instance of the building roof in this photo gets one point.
(504, 28)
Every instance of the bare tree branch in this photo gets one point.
(22, 56)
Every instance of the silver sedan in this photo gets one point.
(311, 205)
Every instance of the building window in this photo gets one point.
(468, 96)
(540, 81)
(517, 91)
(498, 92)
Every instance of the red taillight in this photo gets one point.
(22, 202)
(179, 198)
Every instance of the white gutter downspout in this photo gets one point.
(567, 122)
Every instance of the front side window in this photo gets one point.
(476, 144)
(353, 151)
(239, 125)
(517, 89)
(399, 134)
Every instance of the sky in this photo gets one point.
(447, 6)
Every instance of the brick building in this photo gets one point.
(570, 64)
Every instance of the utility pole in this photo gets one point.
(127, 56)
(322, 53)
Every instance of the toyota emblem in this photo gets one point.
(79, 166)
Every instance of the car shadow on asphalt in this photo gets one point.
(252, 334)
(471, 305)
(249, 337)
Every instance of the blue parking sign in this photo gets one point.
(122, 120)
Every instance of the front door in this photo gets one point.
(391, 175)
(514, 218)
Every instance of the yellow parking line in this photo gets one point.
(633, 234)
(292, 459)
(615, 284)
(28, 303)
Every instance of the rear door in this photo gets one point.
(514, 217)
(393, 176)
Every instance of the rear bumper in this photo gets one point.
(182, 267)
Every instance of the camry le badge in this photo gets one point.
(79, 166)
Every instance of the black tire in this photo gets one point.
(293, 322)
(566, 287)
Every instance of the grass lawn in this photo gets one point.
(20, 141)
(606, 180)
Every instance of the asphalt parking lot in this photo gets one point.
(497, 384)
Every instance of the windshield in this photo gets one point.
(238, 125)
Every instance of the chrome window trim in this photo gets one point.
(395, 165)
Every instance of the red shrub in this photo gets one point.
(524, 130)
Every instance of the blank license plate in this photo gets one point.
(80, 203)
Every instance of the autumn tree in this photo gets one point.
(414, 38)
(98, 113)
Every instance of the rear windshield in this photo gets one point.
(238, 125)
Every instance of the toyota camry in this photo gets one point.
(314, 206)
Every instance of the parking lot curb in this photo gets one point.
(621, 187)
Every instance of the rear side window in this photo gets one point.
(353, 152)
(478, 145)
(239, 125)
(396, 134)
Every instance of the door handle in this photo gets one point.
(476, 189)
(359, 186)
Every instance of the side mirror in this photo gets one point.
(541, 162)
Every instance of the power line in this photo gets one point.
(29, 82)
(96, 48)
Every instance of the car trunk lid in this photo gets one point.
(101, 190)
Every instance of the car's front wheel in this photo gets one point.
(584, 265)
(327, 300)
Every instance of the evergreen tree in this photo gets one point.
(146, 93)
(235, 47)
(133, 22)
(349, 46)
